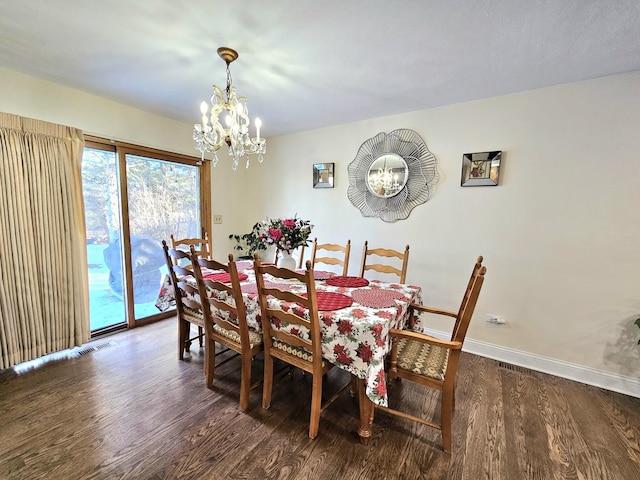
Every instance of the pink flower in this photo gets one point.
(275, 233)
(285, 233)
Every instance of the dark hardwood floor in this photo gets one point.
(130, 409)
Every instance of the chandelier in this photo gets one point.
(228, 122)
(384, 182)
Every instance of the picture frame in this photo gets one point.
(481, 169)
(323, 175)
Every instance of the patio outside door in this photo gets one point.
(143, 198)
(163, 199)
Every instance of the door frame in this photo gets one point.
(122, 149)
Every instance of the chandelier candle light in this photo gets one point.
(210, 135)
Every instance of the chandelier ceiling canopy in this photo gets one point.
(227, 122)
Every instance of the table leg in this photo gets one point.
(366, 407)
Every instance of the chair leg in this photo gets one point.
(183, 335)
(353, 388)
(393, 369)
(446, 413)
(209, 362)
(316, 404)
(200, 335)
(245, 382)
(268, 381)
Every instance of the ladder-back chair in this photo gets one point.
(384, 267)
(299, 352)
(340, 254)
(202, 245)
(185, 288)
(225, 320)
(433, 362)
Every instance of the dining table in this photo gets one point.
(354, 330)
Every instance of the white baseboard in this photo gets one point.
(579, 373)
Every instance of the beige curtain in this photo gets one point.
(44, 302)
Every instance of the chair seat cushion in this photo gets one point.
(254, 337)
(297, 351)
(422, 358)
(193, 316)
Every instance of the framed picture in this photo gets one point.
(480, 169)
(323, 175)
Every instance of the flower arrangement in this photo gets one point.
(248, 243)
(286, 234)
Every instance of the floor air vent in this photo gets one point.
(91, 348)
(57, 357)
(516, 368)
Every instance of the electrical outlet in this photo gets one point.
(217, 219)
(494, 319)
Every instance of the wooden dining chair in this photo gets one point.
(340, 259)
(467, 292)
(301, 262)
(384, 267)
(225, 321)
(188, 310)
(433, 362)
(202, 245)
(300, 310)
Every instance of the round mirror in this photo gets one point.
(391, 174)
(387, 175)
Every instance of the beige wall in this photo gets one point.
(560, 235)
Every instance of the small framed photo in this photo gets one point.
(480, 169)
(323, 175)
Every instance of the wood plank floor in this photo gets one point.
(130, 409)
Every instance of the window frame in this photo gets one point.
(122, 149)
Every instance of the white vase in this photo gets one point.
(267, 256)
(285, 260)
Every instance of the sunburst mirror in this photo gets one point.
(391, 174)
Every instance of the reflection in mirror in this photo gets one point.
(323, 175)
(387, 175)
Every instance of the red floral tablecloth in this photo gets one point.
(354, 338)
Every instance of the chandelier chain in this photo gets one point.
(229, 82)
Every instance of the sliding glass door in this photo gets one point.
(163, 199)
(102, 222)
(134, 199)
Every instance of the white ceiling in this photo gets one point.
(309, 64)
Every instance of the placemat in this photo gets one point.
(376, 297)
(340, 281)
(224, 277)
(264, 264)
(253, 287)
(244, 264)
(331, 300)
(318, 274)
